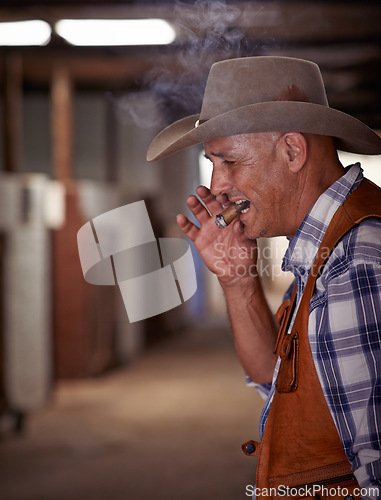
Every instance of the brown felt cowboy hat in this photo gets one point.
(265, 94)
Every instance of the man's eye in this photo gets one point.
(229, 162)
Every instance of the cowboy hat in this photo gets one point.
(265, 94)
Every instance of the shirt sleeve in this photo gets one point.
(262, 389)
(348, 362)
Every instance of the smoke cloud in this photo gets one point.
(208, 32)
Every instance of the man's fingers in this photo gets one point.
(198, 209)
(188, 228)
(223, 200)
(210, 201)
(238, 229)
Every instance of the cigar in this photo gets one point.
(227, 216)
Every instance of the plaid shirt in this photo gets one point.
(344, 327)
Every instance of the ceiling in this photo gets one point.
(344, 38)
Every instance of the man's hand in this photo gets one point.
(226, 252)
(233, 257)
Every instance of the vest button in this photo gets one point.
(250, 448)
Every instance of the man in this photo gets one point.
(272, 138)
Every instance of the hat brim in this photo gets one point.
(276, 116)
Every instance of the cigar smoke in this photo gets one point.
(208, 31)
(208, 34)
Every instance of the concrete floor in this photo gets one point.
(168, 426)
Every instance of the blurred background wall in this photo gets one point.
(75, 125)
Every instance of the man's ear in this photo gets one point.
(295, 150)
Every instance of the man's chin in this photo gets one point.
(251, 233)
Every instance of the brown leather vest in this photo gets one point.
(301, 446)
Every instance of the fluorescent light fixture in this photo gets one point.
(22, 33)
(111, 32)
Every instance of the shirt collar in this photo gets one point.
(304, 245)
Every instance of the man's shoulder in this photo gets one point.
(361, 245)
(363, 241)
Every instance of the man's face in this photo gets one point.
(250, 167)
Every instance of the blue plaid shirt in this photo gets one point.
(344, 326)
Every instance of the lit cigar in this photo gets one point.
(227, 216)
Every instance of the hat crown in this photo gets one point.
(265, 94)
(241, 82)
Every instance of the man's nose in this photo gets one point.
(220, 182)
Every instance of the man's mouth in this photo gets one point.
(229, 214)
(242, 205)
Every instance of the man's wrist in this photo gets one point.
(242, 285)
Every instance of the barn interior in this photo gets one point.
(93, 405)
